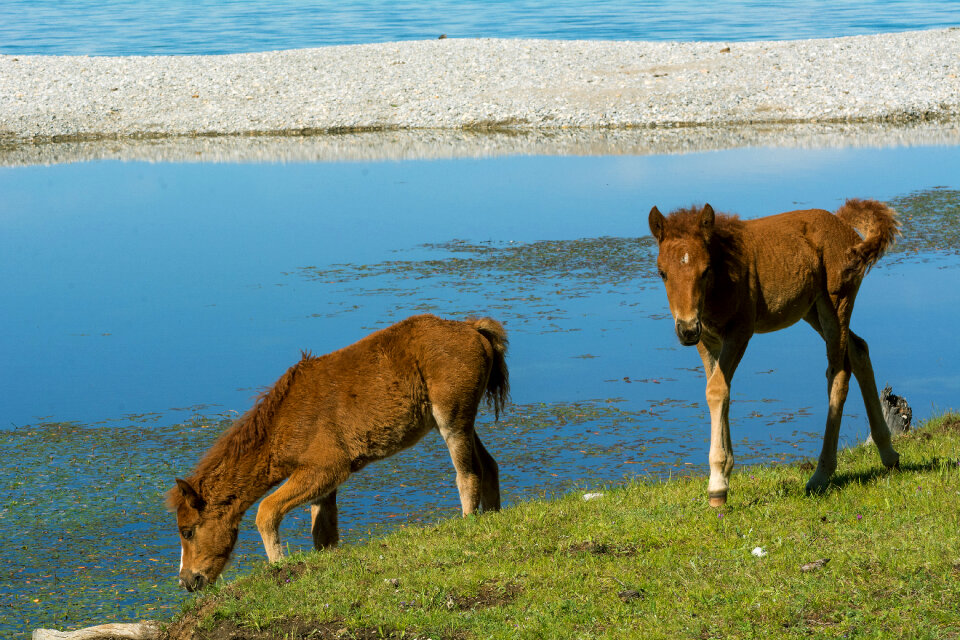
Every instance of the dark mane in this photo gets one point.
(725, 243)
(684, 222)
(247, 433)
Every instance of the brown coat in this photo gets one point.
(330, 416)
(727, 279)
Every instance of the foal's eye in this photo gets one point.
(663, 275)
(186, 533)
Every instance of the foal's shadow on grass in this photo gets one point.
(841, 480)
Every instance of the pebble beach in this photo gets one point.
(484, 84)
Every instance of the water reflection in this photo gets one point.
(435, 144)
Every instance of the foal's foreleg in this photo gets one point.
(323, 521)
(719, 363)
(863, 370)
(304, 485)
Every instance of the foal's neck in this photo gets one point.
(236, 479)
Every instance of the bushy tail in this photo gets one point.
(498, 384)
(878, 225)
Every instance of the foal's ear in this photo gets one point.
(656, 224)
(190, 495)
(706, 220)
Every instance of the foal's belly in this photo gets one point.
(385, 442)
(778, 321)
(782, 306)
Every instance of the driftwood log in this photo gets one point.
(147, 630)
(896, 413)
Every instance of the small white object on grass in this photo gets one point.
(592, 496)
(759, 552)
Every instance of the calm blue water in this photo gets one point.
(134, 287)
(145, 27)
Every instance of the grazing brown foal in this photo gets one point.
(330, 416)
(727, 279)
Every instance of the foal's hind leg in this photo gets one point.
(489, 476)
(832, 324)
(323, 518)
(859, 355)
(457, 432)
(863, 370)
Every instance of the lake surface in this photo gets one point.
(142, 27)
(143, 287)
(144, 304)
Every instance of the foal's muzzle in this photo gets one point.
(689, 331)
(192, 581)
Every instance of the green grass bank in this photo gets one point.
(875, 556)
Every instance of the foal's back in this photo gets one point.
(801, 235)
(379, 395)
(795, 257)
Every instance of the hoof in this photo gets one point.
(820, 479)
(815, 486)
(274, 555)
(891, 460)
(718, 498)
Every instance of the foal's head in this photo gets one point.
(207, 535)
(684, 265)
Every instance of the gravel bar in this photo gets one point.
(483, 84)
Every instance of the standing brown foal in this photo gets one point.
(330, 416)
(727, 279)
